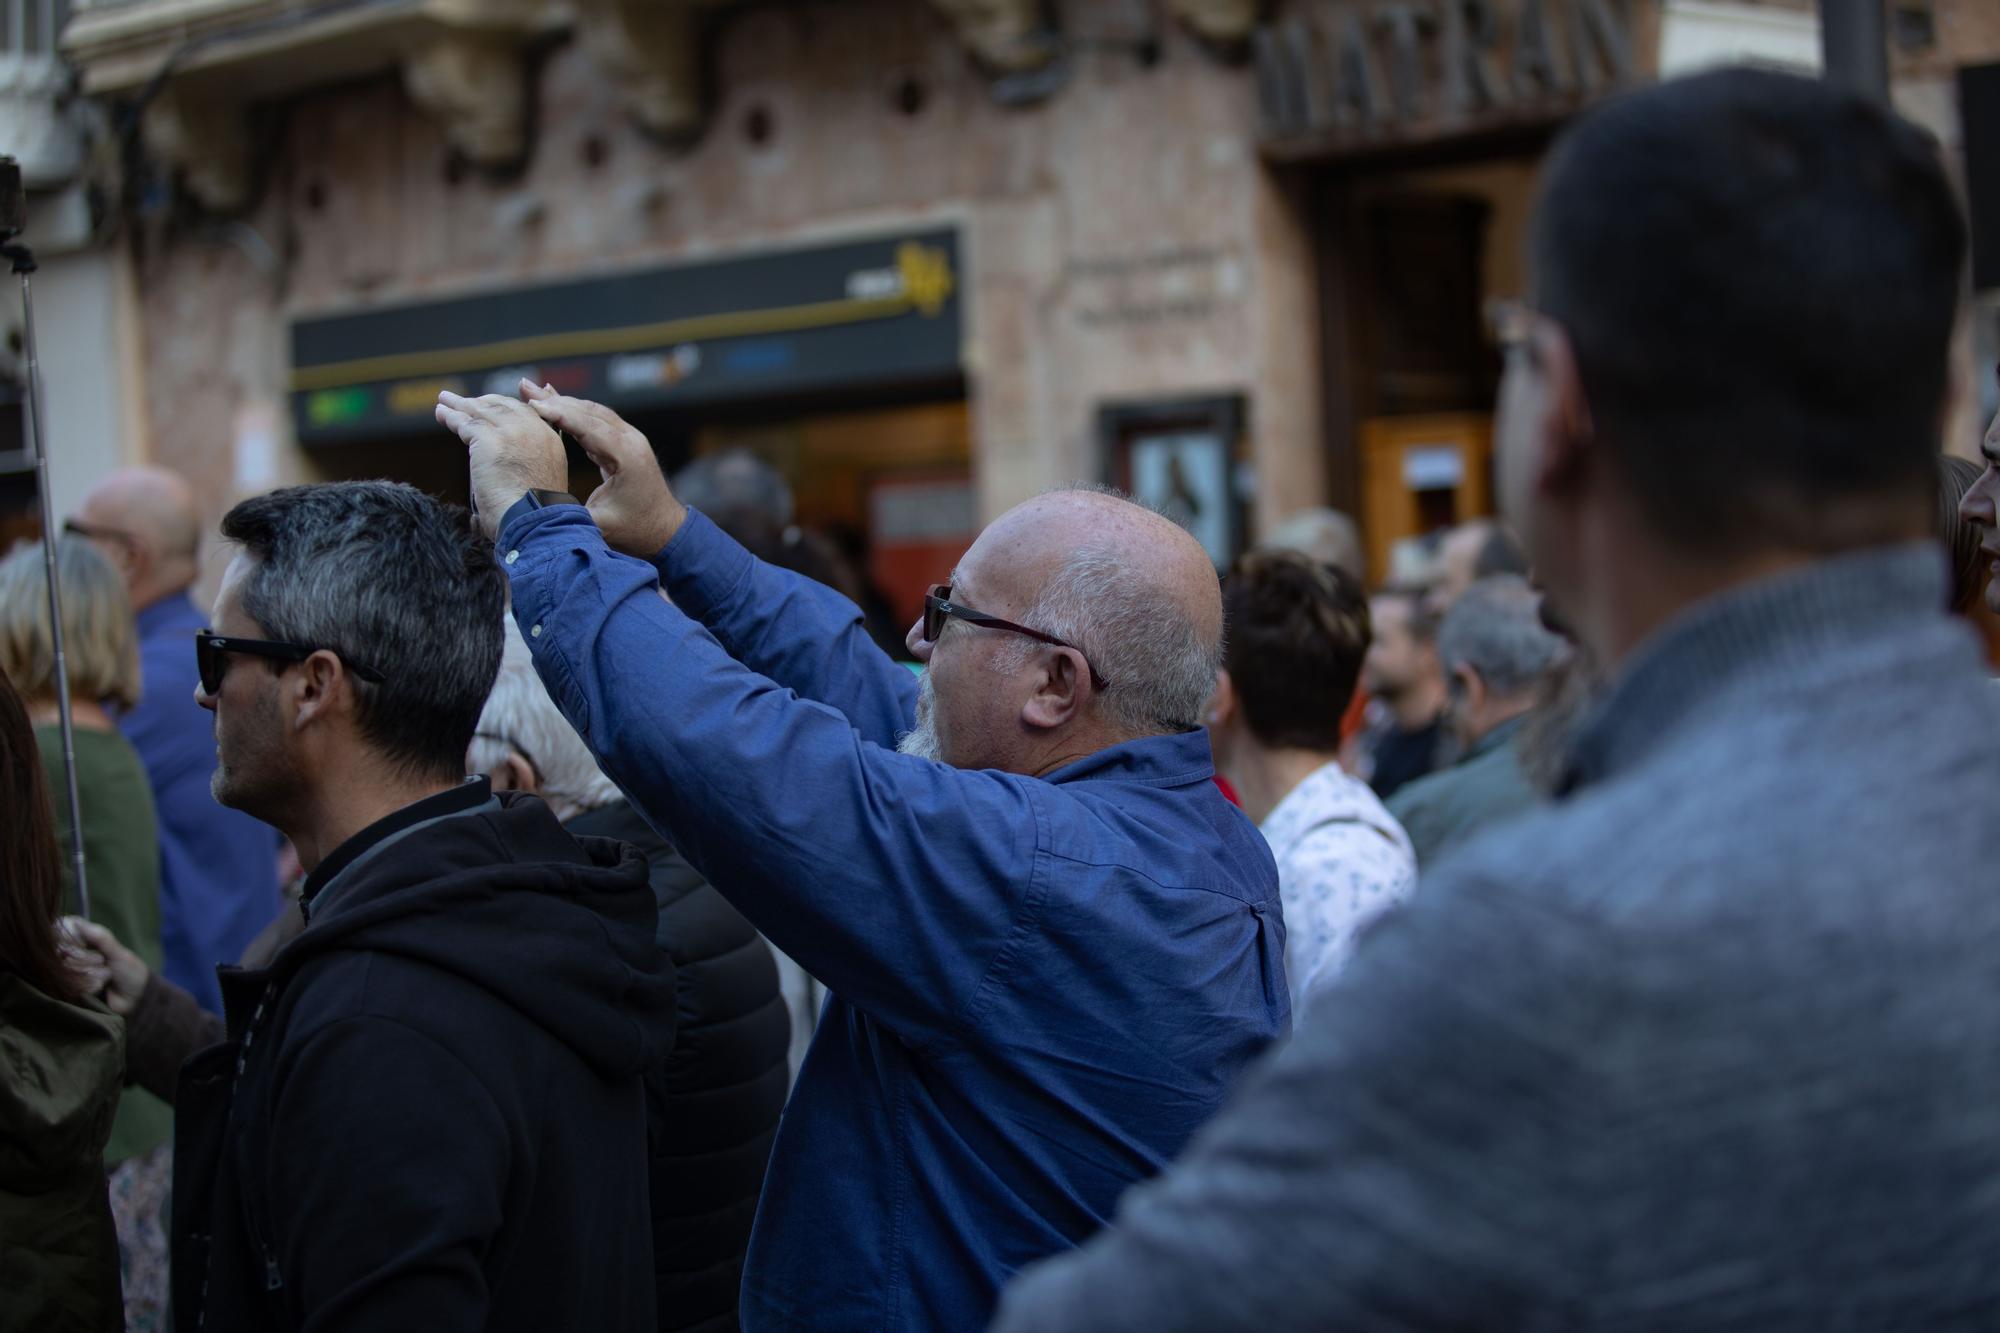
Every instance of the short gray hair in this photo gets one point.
(1496, 629)
(520, 715)
(1159, 668)
(389, 579)
(735, 486)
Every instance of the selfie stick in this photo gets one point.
(11, 224)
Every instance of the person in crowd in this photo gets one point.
(64, 1059)
(1325, 535)
(1472, 551)
(1497, 656)
(712, 1105)
(1295, 633)
(121, 858)
(1969, 527)
(1332, 538)
(428, 1113)
(218, 867)
(1402, 675)
(1710, 1042)
(1052, 945)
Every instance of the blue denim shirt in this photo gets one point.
(218, 867)
(1040, 987)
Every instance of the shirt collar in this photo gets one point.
(1494, 739)
(1327, 793)
(1774, 629)
(1178, 760)
(465, 797)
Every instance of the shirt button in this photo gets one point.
(535, 633)
(512, 556)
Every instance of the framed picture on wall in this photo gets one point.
(1181, 457)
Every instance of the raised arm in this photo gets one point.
(894, 880)
(799, 633)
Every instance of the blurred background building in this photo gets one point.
(927, 257)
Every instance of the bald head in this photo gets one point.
(146, 520)
(1129, 587)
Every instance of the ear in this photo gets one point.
(1471, 690)
(318, 691)
(515, 774)
(1568, 434)
(1061, 685)
(1222, 704)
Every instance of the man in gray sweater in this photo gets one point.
(1714, 1041)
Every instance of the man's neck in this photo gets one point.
(150, 594)
(1639, 583)
(340, 809)
(1264, 777)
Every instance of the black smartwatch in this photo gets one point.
(533, 500)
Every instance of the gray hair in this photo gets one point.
(520, 715)
(1160, 670)
(1327, 535)
(1496, 629)
(391, 580)
(736, 486)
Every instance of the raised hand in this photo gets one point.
(511, 449)
(634, 508)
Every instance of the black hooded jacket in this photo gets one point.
(428, 1114)
(712, 1105)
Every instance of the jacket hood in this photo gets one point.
(561, 928)
(63, 1065)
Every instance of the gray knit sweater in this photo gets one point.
(1712, 1043)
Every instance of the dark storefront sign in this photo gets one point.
(1361, 76)
(881, 312)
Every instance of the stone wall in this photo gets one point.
(1121, 238)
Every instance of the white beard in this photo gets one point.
(923, 742)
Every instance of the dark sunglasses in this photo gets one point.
(211, 655)
(92, 532)
(938, 608)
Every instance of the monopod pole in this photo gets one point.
(24, 264)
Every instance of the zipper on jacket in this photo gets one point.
(273, 1280)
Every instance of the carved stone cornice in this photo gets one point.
(201, 63)
(1222, 23)
(651, 49)
(1003, 35)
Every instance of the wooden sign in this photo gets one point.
(1362, 74)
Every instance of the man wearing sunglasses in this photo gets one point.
(1051, 945)
(427, 1112)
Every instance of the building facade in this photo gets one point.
(928, 256)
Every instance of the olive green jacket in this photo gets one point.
(63, 1065)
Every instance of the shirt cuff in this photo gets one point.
(703, 567)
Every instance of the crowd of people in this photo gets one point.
(1587, 932)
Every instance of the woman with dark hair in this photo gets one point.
(1971, 566)
(65, 1061)
(121, 849)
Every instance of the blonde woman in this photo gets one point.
(120, 845)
